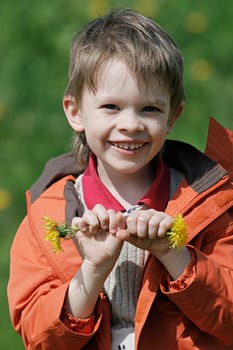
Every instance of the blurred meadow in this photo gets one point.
(35, 39)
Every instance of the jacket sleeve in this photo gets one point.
(36, 296)
(204, 293)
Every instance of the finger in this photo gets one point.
(131, 224)
(158, 224)
(121, 221)
(138, 223)
(153, 227)
(89, 222)
(115, 221)
(76, 223)
(102, 215)
(122, 235)
(164, 226)
(142, 226)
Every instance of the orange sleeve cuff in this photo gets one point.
(173, 286)
(186, 278)
(78, 325)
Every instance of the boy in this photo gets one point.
(118, 284)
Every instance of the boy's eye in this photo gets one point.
(151, 109)
(110, 106)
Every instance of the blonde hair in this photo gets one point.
(140, 42)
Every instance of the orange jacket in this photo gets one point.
(195, 312)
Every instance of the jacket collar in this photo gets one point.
(220, 145)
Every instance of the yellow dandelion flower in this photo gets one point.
(177, 236)
(201, 70)
(2, 110)
(5, 199)
(147, 7)
(50, 224)
(54, 233)
(53, 237)
(97, 7)
(196, 22)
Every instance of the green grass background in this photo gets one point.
(35, 39)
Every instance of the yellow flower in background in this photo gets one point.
(97, 7)
(5, 199)
(2, 110)
(54, 233)
(201, 70)
(177, 236)
(196, 22)
(147, 7)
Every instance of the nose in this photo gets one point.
(130, 121)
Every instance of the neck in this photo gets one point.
(127, 188)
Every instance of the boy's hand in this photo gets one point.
(147, 230)
(95, 243)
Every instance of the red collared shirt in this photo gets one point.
(95, 192)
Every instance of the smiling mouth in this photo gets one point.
(127, 146)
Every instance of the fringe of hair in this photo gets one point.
(81, 149)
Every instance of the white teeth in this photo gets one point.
(127, 146)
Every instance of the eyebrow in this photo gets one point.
(157, 100)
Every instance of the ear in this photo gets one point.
(72, 113)
(174, 118)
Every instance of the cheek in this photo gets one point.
(158, 130)
(94, 134)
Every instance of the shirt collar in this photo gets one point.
(94, 191)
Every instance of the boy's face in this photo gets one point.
(125, 124)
